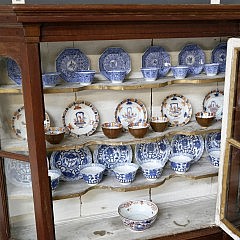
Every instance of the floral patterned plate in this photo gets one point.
(177, 109)
(80, 117)
(219, 55)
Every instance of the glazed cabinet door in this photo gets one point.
(228, 209)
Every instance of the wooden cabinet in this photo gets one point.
(23, 28)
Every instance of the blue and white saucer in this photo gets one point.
(213, 141)
(14, 71)
(219, 55)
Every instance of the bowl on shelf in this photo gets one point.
(211, 69)
(159, 124)
(55, 175)
(116, 76)
(139, 215)
(180, 71)
(151, 169)
(214, 157)
(54, 135)
(85, 77)
(205, 119)
(125, 172)
(92, 173)
(180, 162)
(50, 79)
(112, 129)
(150, 73)
(139, 129)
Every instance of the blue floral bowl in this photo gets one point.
(180, 162)
(150, 73)
(116, 76)
(50, 79)
(151, 169)
(214, 157)
(180, 72)
(55, 177)
(211, 69)
(85, 77)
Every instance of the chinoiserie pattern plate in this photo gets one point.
(219, 55)
(191, 144)
(213, 103)
(18, 172)
(69, 162)
(110, 156)
(14, 71)
(70, 61)
(159, 151)
(213, 141)
(114, 58)
(130, 111)
(19, 123)
(177, 109)
(192, 56)
(80, 118)
(156, 56)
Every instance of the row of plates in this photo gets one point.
(81, 117)
(69, 162)
(71, 60)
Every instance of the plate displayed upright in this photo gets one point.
(159, 151)
(130, 111)
(213, 141)
(70, 61)
(14, 71)
(192, 56)
(191, 144)
(114, 58)
(157, 57)
(19, 123)
(111, 155)
(213, 103)
(80, 117)
(69, 162)
(219, 55)
(177, 109)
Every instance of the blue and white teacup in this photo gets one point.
(180, 162)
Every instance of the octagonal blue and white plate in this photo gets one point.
(192, 56)
(213, 141)
(191, 144)
(114, 58)
(157, 57)
(110, 156)
(69, 162)
(219, 55)
(159, 151)
(70, 61)
(14, 71)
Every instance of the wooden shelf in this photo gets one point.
(129, 84)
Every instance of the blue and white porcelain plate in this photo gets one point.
(192, 56)
(110, 156)
(219, 55)
(70, 61)
(14, 71)
(69, 162)
(157, 57)
(213, 103)
(213, 141)
(177, 109)
(114, 58)
(159, 151)
(191, 144)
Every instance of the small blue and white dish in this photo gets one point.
(92, 173)
(192, 56)
(180, 162)
(219, 55)
(180, 72)
(151, 169)
(50, 79)
(214, 157)
(213, 141)
(125, 172)
(85, 77)
(55, 177)
(211, 69)
(116, 76)
(14, 71)
(149, 73)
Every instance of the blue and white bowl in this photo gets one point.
(214, 157)
(55, 177)
(116, 76)
(51, 79)
(92, 173)
(180, 72)
(85, 77)
(125, 172)
(180, 162)
(139, 215)
(211, 69)
(152, 169)
(150, 73)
